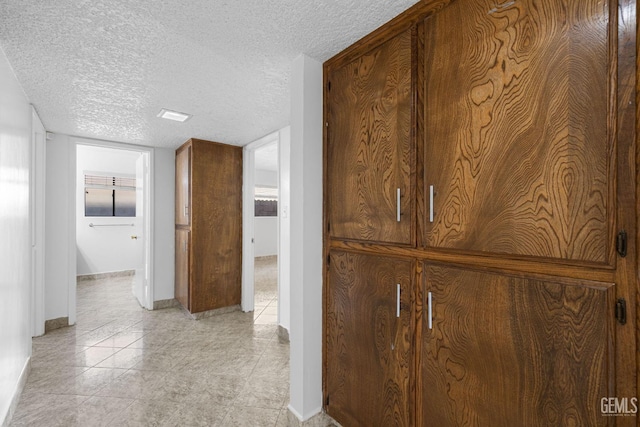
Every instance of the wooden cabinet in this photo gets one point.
(183, 182)
(369, 329)
(523, 163)
(182, 266)
(370, 149)
(505, 350)
(208, 225)
(515, 146)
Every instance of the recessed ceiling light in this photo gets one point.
(174, 115)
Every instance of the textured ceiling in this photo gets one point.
(104, 69)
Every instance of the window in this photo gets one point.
(109, 196)
(266, 201)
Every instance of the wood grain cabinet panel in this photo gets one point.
(370, 150)
(182, 266)
(183, 182)
(368, 340)
(511, 127)
(515, 351)
(213, 180)
(519, 123)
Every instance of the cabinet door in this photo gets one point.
(514, 351)
(183, 190)
(182, 267)
(368, 340)
(370, 163)
(519, 128)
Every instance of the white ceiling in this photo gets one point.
(104, 69)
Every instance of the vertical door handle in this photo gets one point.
(431, 203)
(429, 312)
(186, 210)
(185, 246)
(398, 205)
(398, 300)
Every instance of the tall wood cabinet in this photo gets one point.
(208, 225)
(489, 149)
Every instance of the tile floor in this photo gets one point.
(265, 292)
(125, 366)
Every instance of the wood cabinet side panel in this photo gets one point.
(216, 225)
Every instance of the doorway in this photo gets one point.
(265, 228)
(264, 155)
(113, 239)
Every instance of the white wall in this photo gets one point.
(306, 238)
(284, 202)
(106, 249)
(266, 235)
(265, 178)
(15, 243)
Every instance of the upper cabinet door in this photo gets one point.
(370, 151)
(183, 191)
(519, 128)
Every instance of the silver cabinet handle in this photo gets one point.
(185, 246)
(186, 210)
(431, 203)
(398, 300)
(398, 205)
(430, 313)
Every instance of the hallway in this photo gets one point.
(125, 366)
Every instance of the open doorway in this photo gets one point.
(112, 224)
(265, 229)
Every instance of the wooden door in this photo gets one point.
(515, 351)
(520, 128)
(368, 340)
(182, 267)
(370, 150)
(183, 181)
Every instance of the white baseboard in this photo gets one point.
(318, 419)
(22, 381)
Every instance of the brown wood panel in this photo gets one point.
(182, 267)
(509, 350)
(532, 266)
(520, 128)
(369, 350)
(370, 147)
(216, 225)
(183, 195)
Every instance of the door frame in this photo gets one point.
(248, 224)
(148, 221)
(37, 191)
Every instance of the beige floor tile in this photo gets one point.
(198, 414)
(244, 416)
(146, 413)
(125, 358)
(122, 365)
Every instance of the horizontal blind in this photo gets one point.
(109, 181)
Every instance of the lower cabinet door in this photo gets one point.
(182, 267)
(369, 329)
(501, 350)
